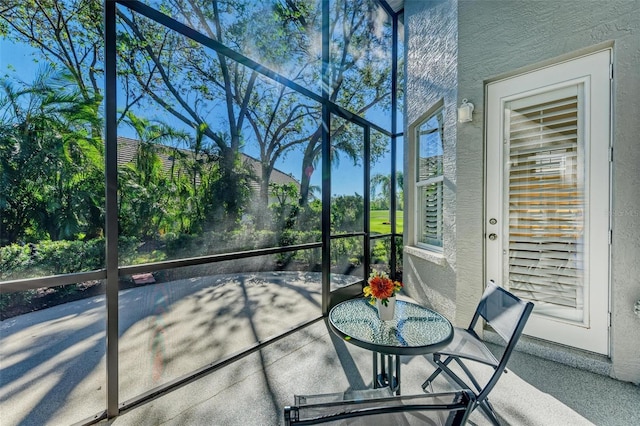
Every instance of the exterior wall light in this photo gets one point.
(464, 111)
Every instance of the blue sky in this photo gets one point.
(20, 61)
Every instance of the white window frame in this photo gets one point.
(420, 184)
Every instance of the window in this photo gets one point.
(429, 178)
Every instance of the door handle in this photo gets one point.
(493, 237)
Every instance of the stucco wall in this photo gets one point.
(498, 38)
(431, 69)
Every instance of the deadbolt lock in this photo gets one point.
(493, 221)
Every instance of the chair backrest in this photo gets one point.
(507, 315)
(449, 408)
(503, 311)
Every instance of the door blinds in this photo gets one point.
(546, 201)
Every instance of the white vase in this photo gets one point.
(386, 313)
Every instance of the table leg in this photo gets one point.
(397, 387)
(386, 371)
(375, 370)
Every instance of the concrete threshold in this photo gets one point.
(583, 360)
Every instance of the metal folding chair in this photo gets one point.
(507, 315)
(379, 407)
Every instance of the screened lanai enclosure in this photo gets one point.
(176, 168)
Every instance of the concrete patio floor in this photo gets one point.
(52, 362)
(254, 390)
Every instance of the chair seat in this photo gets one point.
(467, 345)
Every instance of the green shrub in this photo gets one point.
(58, 257)
(179, 243)
(9, 300)
(63, 257)
(50, 258)
(14, 260)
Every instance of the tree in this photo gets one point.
(347, 214)
(360, 72)
(283, 35)
(173, 73)
(51, 184)
(226, 104)
(147, 190)
(69, 36)
(69, 33)
(384, 182)
(285, 208)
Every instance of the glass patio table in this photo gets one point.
(414, 330)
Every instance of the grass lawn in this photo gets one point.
(379, 223)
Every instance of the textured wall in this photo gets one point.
(431, 40)
(479, 41)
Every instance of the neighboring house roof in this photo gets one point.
(127, 148)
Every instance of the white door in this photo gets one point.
(547, 195)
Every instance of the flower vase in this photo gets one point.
(386, 313)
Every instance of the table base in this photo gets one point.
(386, 371)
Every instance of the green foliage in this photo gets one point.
(175, 244)
(249, 239)
(51, 182)
(347, 213)
(14, 260)
(380, 252)
(50, 258)
(8, 300)
(310, 217)
(57, 257)
(63, 257)
(211, 242)
(127, 249)
(399, 253)
(346, 251)
(148, 194)
(285, 209)
(381, 200)
(311, 257)
(51, 146)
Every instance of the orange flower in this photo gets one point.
(381, 287)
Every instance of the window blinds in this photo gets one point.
(429, 180)
(431, 202)
(546, 200)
